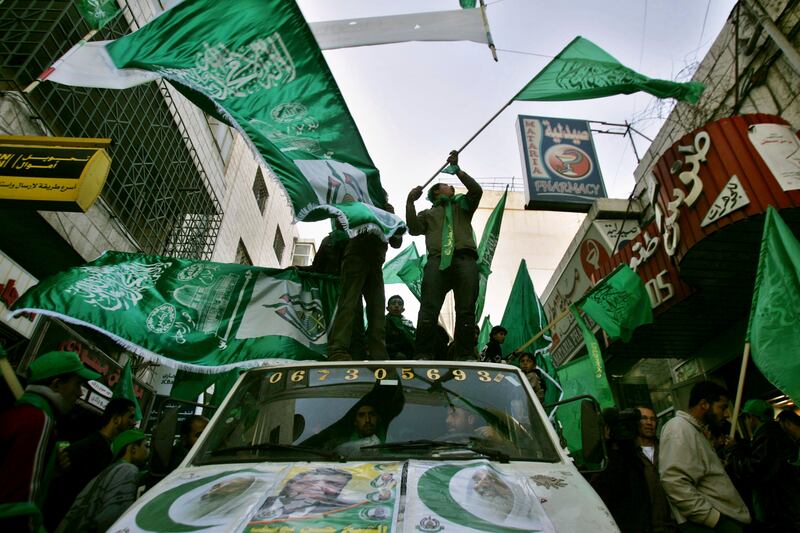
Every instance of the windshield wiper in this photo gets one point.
(278, 447)
(489, 453)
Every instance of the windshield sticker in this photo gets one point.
(355, 497)
(475, 496)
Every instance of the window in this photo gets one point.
(278, 245)
(260, 191)
(223, 136)
(303, 253)
(242, 257)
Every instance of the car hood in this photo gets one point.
(375, 497)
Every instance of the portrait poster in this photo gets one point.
(331, 497)
(473, 496)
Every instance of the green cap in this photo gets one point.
(54, 364)
(125, 438)
(760, 409)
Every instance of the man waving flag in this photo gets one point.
(256, 65)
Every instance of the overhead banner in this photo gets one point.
(52, 173)
(560, 164)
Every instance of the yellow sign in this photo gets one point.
(52, 173)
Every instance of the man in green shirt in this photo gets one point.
(452, 261)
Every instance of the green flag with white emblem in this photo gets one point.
(583, 70)
(774, 329)
(394, 265)
(411, 274)
(98, 13)
(256, 65)
(193, 315)
(486, 248)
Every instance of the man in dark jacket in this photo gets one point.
(765, 463)
(493, 352)
(452, 260)
(400, 332)
(28, 437)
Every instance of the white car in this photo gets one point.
(379, 447)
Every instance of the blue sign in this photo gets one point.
(561, 169)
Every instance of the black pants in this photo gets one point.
(462, 278)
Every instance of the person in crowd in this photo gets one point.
(361, 275)
(86, 458)
(646, 441)
(765, 464)
(701, 494)
(400, 332)
(527, 363)
(191, 429)
(790, 423)
(365, 426)
(452, 260)
(463, 424)
(28, 437)
(493, 353)
(113, 490)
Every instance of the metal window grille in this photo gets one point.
(260, 191)
(278, 244)
(242, 257)
(157, 186)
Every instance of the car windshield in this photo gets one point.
(378, 411)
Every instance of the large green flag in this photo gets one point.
(524, 315)
(411, 274)
(774, 328)
(256, 65)
(193, 315)
(618, 303)
(583, 70)
(483, 336)
(98, 13)
(124, 388)
(393, 266)
(486, 248)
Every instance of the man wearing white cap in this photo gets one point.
(28, 437)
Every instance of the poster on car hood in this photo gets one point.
(332, 498)
(472, 496)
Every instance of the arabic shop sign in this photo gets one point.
(52, 173)
(560, 164)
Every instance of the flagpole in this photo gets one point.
(43, 76)
(564, 312)
(489, 39)
(739, 389)
(10, 377)
(469, 141)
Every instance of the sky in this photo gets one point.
(414, 102)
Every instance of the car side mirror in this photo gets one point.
(579, 423)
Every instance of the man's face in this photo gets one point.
(316, 488)
(717, 412)
(69, 387)
(648, 423)
(459, 420)
(140, 453)
(395, 307)
(500, 337)
(489, 485)
(445, 190)
(126, 421)
(197, 427)
(366, 421)
(526, 364)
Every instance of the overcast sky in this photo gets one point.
(413, 102)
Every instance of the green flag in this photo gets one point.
(618, 303)
(583, 70)
(774, 328)
(524, 315)
(393, 266)
(189, 385)
(468, 4)
(258, 67)
(98, 13)
(483, 336)
(193, 315)
(124, 388)
(411, 274)
(486, 248)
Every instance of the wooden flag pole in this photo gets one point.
(564, 312)
(11, 378)
(469, 141)
(739, 389)
(43, 76)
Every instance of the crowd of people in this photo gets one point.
(78, 486)
(694, 478)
